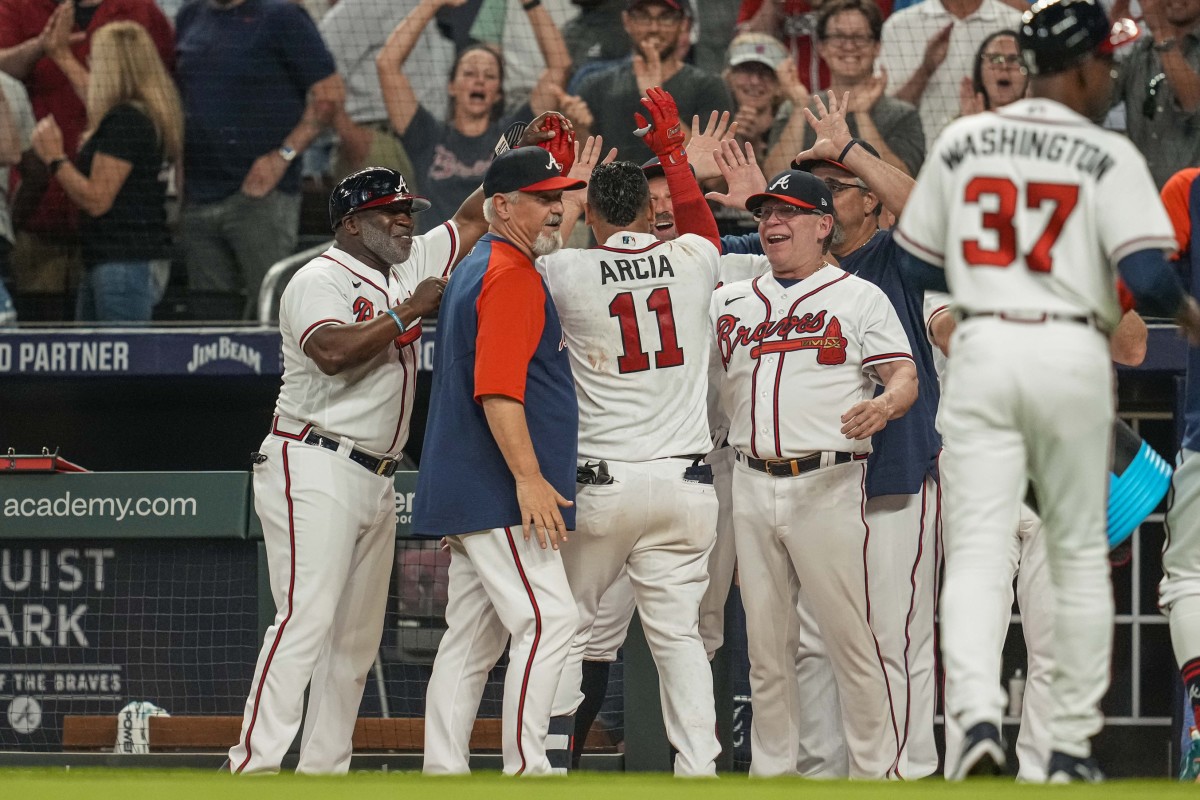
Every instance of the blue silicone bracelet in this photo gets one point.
(395, 318)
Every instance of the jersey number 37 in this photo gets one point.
(1007, 196)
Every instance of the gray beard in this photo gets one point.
(839, 235)
(547, 243)
(383, 246)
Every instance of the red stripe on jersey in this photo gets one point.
(453, 248)
(298, 437)
(862, 515)
(624, 250)
(938, 258)
(412, 334)
(355, 274)
(934, 315)
(537, 637)
(287, 493)
(886, 357)
(319, 323)
(754, 384)
(912, 601)
(403, 404)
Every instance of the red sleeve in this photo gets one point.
(692, 214)
(19, 22)
(511, 313)
(749, 7)
(1175, 200)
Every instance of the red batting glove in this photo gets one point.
(562, 146)
(664, 133)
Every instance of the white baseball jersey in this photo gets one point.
(634, 314)
(371, 403)
(1029, 208)
(734, 267)
(835, 327)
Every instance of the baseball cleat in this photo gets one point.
(982, 754)
(1072, 769)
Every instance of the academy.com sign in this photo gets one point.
(125, 504)
(116, 508)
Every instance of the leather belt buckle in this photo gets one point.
(386, 467)
(781, 467)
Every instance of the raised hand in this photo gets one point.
(562, 144)
(936, 49)
(792, 86)
(587, 156)
(868, 93)
(969, 101)
(664, 133)
(702, 144)
(741, 172)
(829, 125)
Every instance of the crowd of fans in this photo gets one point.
(136, 151)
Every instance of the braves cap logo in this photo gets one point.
(553, 163)
(782, 183)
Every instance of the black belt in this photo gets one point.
(385, 466)
(1034, 319)
(790, 467)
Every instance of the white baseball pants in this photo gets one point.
(1032, 400)
(805, 537)
(501, 586)
(1035, 597)
(329, 527)
(661, 529)
(1179, 590)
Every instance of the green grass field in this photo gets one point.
(127, 784)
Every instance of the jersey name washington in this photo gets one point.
(1025, 142)
(635, 269)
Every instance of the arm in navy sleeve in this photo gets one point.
(922, 274)
(744, 244)
(1155, 286)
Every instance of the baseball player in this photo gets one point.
(1027, 209)
(1026, 563)
(1179, 591)
(351, 325)
(618, 603)
(902, 489)
(635, 315)
(498, 466)
(802, 349)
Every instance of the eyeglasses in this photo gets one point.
(666, 19)
(783, 213)
(838, 186)
(1150, 104)
(848, 39)
(1002, 60)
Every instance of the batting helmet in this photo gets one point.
(1056, 35)
(370, 188)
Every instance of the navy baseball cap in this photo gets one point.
(809, 164)
(653, 169)
(796, 188)
(526, 169)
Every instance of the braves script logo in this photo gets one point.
(770, 336)
(364, 309)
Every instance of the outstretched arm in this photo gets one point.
(398, 94)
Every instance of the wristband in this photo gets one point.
(841, 159)
(395, 318)
(55, 164)
(531, 5)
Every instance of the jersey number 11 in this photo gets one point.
(634, 358)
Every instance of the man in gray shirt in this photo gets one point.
(1160, 85)
(659, 30)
